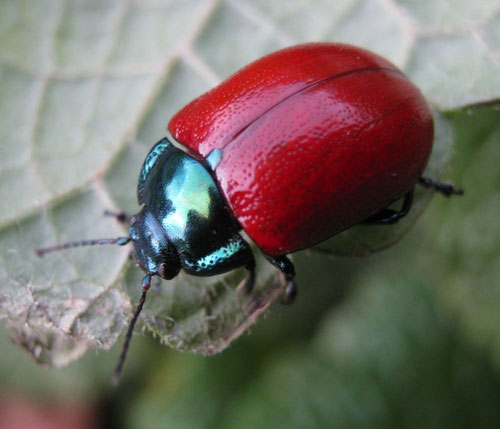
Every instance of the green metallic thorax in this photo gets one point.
(181, 195)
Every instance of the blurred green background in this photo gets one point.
(407, 337)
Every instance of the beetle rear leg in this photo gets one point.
(120, 216)
(288, 269)
(445, 189)
(389, 216)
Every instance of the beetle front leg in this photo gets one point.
(288, 269)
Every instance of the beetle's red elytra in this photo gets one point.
(314, 139)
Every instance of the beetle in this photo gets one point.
(292, 149)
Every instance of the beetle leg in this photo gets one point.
(446, 189)
(389, 216)
(288, 269)
(250, 281)
(120, 216)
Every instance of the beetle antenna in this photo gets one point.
(121, 241)
(146, 283)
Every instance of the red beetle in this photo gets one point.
(294, 148)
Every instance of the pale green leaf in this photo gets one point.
(87, 87)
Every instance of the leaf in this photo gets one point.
(206, 315)
(59, 306)
(88, 87)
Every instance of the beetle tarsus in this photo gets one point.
(446, 189)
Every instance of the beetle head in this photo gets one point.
(154, 253)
